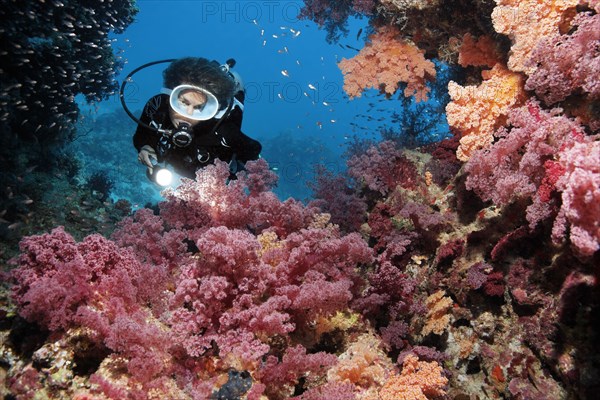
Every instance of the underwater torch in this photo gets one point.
(161, 175)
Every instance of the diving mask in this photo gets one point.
(193, 102)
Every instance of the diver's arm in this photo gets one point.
(145, 141)
(153, 112)
(144, 137)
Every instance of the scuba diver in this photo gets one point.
(196, 119)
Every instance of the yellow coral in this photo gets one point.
(526, 22)
(438, 317)
(419, 380)
(320, 221)
(268, 240)
(477, 111)
(428, 178)
(340, 320)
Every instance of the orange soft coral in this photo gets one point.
(526, 22)
(480, 51)
(419, 380)
(386, 61)
(438, 313)
(364, 363)
(477, 111)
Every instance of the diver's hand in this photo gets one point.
(146, 155)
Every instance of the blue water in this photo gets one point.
(278, 57)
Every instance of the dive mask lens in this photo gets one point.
(193, 102)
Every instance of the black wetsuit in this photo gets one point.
(224, 143)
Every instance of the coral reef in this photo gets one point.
(463, 269)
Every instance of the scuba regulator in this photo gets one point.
(182, 137)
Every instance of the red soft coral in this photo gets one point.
(152, 243)
(282, 375)
(236, 287)
(52, 280)
(334, 196)
(177, 287)
(94, 284)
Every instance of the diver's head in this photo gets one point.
(199, 89)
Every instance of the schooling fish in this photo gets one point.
(358, 34)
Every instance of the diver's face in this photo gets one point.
(188, 101)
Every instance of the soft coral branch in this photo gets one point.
(385, 62)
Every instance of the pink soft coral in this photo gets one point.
(245, 203)
(580, 187)
(569, 63)
(514, 166)
(58, 277)
(383, 168)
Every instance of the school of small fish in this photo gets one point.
(362, 123)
